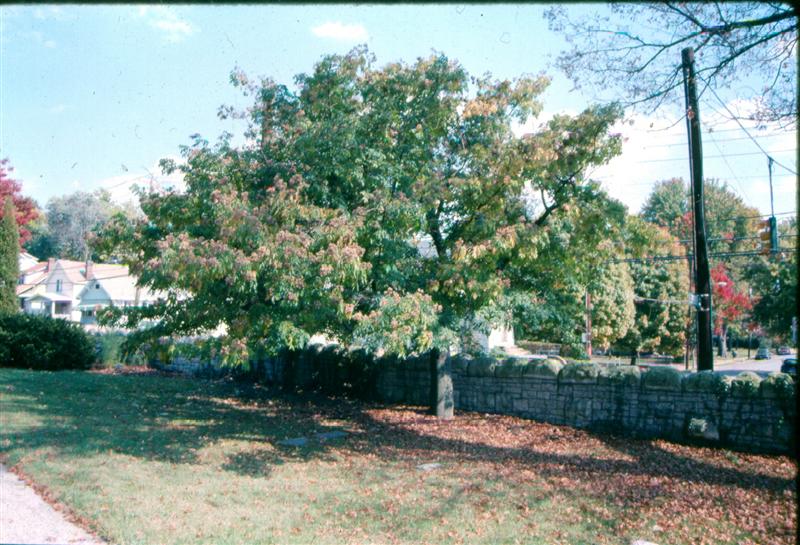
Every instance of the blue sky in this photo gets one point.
(94, 96)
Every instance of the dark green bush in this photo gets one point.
(778, 385)
(39, 342)
(109, 348)
(746, 384)
(706, 381)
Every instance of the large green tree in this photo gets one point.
(70, 222)
(661, 287)
(774, 284)
(575, 258)
(9, 264)
(388, 206)
(731, 224)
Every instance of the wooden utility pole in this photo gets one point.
(705, 351)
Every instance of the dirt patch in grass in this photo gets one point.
(153, 459)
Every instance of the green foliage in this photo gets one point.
(774, 283)
(404, 325)
(621, 375)
(9, 265)
(384, 206)
(706, 381)
(548, 368)
(110, 348)
(613, 311)
(43, 343)
(579, 372)
(657, 327)
(745, 384)
(71, 222)
(662, 378)
(778, 385)
(572, 257)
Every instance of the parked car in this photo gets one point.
(789, 366)
(784, 351)
(763, 354)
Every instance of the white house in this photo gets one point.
(75, 290)
(110, 285)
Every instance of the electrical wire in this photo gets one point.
(745, 130)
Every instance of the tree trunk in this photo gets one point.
(441, 396)
(723, 341)
(634, 357)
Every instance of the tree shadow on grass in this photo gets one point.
(172, 419)
(166, 419)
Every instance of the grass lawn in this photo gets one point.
(143, 458)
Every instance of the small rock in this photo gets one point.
(328, 435)
(642, 542)
(429, 467)
(294, 442)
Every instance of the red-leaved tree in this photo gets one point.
(25, 207)
(729, 303)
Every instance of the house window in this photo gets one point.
(58, 286)
(97, 286)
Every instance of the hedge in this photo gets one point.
(39, 342)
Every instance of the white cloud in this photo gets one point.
(57, 109)
(340, 31)
(164, 19)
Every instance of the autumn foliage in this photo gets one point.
(25, 207)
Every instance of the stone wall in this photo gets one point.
(744, 413)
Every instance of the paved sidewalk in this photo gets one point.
(26, 518)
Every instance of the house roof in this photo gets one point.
(75, 271)
(49, 296)
(118, 284)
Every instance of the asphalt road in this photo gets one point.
(762, 367)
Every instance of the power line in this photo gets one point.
(746, 154)
(745, 130)
(668, 257)
(722, 141)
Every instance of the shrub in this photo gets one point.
(706, 381)
(778, 385)
(579, 372)
(746, 384)
(621, 375)
(662, 378)
(548, 368)
(109, 348)
(40, 342)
